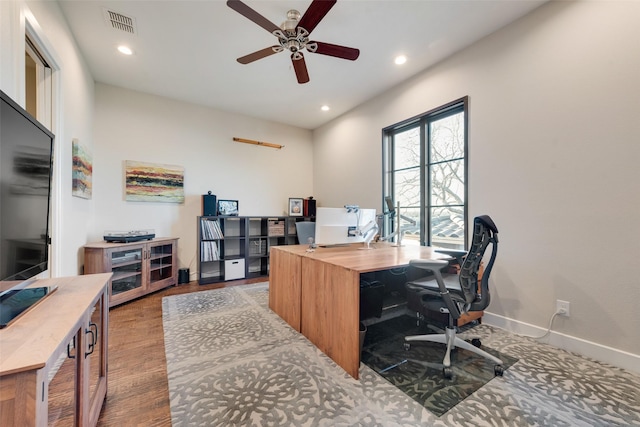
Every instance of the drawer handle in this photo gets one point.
(91, 346)
(69, 355)
(93, 331)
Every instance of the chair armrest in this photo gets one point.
(435, 266)
(456, 253)
(429, 264)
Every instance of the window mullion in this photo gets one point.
(425, 183)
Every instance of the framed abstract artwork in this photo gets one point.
(150, 182)
(81, 170)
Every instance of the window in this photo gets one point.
(40, 77)
(38, 92)
(425, 173)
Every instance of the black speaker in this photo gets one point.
(209, 203)
(183, 276)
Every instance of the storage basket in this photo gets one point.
(258, 247)
(275, 227)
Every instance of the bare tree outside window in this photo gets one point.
(429, 181)
(447, 181)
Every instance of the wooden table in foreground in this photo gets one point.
(30, 347)
(318, 293)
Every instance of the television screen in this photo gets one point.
(15, 303)
(26, 153)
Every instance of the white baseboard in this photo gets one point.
(612, 356)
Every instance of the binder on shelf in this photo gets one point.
(309, 207)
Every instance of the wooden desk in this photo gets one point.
(318, 293)
(31, 345)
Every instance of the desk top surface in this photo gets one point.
(356, 257)
(32, 340)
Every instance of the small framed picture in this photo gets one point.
(228, 207)
(295, 206)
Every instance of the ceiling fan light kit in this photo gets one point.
(293, 35)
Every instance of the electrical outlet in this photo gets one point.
(563, 308)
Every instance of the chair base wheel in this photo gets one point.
(447, 372)
(498, 370)
(476, 342)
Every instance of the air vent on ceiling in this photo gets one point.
(121, 22)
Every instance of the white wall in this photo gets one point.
(135, 126)
(73, 112)
(128, 125)
(554, 153)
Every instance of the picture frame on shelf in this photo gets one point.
(295, 206)
(227, 207)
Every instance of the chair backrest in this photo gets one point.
(305, 230)
(485, 232)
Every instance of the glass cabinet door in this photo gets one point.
(62, 379)
(82, 364)
(96, 359)
(161, 265)
(94, 352)
(126, 265)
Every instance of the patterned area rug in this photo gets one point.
(418, 371)
(233, 362)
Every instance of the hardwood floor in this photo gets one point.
(137, 392)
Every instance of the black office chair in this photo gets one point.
(456, 294)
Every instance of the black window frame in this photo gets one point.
(422, 122)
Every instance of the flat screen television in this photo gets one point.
(338, 226)
(26, 158)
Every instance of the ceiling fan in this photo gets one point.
(293, 35)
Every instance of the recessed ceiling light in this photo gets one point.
(400, 59)
(125, 50)
(325, 108)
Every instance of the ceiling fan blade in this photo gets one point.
(252, 15)
(263, 53)
(314, 14)
(334, 50)
(300, 67)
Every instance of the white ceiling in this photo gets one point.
(187, 50)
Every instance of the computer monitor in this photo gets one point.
(338, 226)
